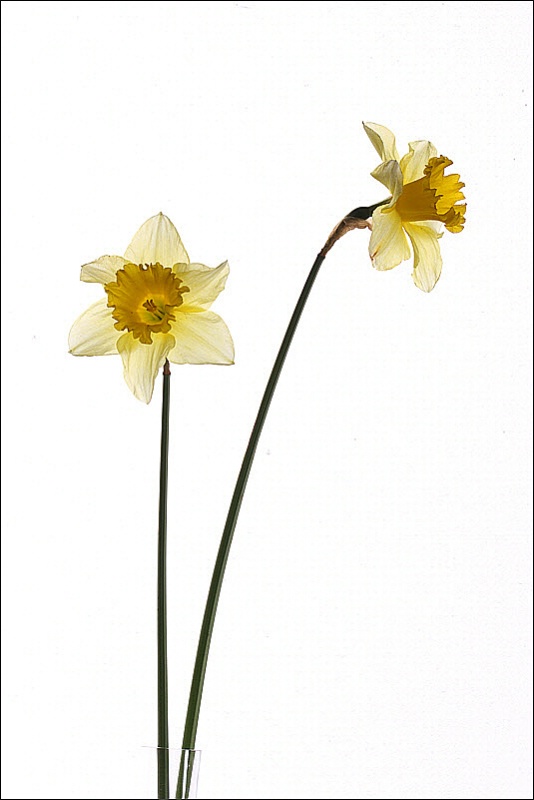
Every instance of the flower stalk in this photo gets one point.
(354, 220)
(163, 694)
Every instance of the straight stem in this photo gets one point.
(163, 696)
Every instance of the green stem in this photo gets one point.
(197, 683)
(163, 697)
(355, 219)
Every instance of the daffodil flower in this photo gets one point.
(423, 200)
(156, 308)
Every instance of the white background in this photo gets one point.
(373, 633)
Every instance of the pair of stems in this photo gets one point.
(354, 220)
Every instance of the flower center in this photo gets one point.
(144, 299)
(434, 196)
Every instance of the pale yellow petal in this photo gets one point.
(427, 256)
(388, 245)
(436, 226)
(201, 338)
(390, 175)
(414, 162)
(93, 333)
(204, 284)
(157, 241)
(382, 140)
(193, 265)
(103, 269)
(142, 362)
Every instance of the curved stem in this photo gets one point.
(355, 219)
(163, 699)
(197, 683)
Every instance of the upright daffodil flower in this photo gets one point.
(156, 308)
(423, 200)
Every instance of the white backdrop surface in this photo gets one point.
(373, 635)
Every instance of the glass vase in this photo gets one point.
(183, 769)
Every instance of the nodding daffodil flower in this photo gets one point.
(155, 308)
(423, 199)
